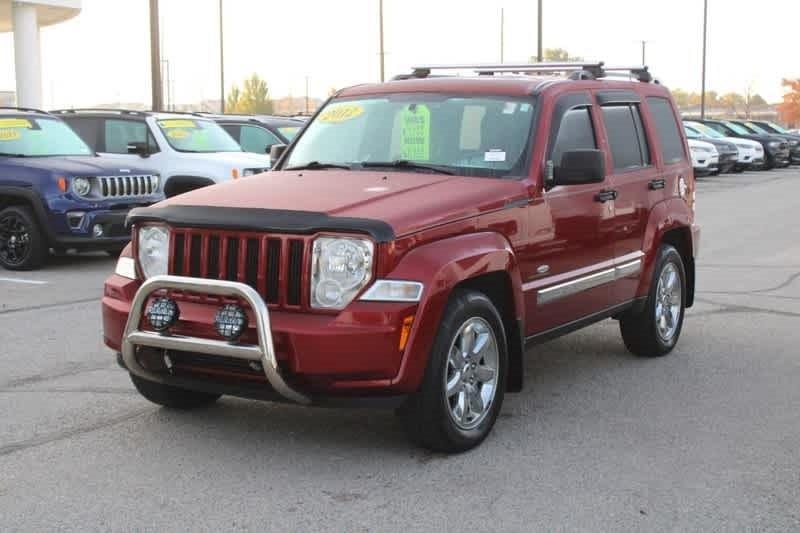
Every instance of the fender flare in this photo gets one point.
(667, 215)
(441, 266)
(31, 198)
(196, 182)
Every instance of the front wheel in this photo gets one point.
(464, 384)
(654, 331)
(172, 397)
(22, 244)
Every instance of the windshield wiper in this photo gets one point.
(405, 164)
(4, 154)
(316, 165)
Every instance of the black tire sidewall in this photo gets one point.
(463, 306)
(667, 254)
(38, 249)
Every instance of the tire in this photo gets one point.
(172, 397)
(22, 244)
(643, 333)
(448, 423)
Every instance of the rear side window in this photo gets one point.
(667, 128)
(574, 133)
(626, 136)
(120, 133)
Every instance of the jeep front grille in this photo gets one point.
(272, 264)
(121, 186)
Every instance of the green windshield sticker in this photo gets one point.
(415, 134)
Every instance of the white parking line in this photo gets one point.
(24, 281)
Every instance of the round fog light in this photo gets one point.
(97, 230)
(230, 322)
(163, 313)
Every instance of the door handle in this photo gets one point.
(605, 195)
(655, 185)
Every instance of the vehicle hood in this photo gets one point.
(723, 146)
(407, 201)
(76, 165)
(239, 160)
(702, 144)
(750, 143)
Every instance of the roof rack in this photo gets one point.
(574, 70)
(100, 110)
(26, 109)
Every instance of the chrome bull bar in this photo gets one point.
(263, 352)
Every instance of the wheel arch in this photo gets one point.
(20, 196)
(482, 261)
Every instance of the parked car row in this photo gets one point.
(69, 177)
(758, 145)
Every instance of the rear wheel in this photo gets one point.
(462, 391)
(172, 397)
(22, 245)
(655, 330)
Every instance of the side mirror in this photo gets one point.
(275, 153)
(268, 149)
(580, 166)
(138, 148)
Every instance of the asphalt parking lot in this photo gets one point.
(705, 439)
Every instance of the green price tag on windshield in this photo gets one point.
(415, 133)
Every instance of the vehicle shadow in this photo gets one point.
(64, 261)
(570, 364)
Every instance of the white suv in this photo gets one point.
(188, 150)
(705, 157)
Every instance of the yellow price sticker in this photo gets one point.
(9, 135)
(177, 123)
(177, 134)
(15, 123)
(340, 113)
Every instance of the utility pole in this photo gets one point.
(155, 59)
(221, 64)
(539, 54)
(502, 35)
(703, 83)
(306, 95)
(380, 17)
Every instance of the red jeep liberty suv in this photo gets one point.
(412, 242)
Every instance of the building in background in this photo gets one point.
(24, 18)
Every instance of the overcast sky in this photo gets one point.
(102, 55)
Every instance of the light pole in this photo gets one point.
(539, 54)
(380, 25)
(703, 83)
(155, 59)
(221, 64)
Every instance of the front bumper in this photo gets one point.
(115, 234)
(353, 353)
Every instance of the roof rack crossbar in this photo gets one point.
(26, 109)
(101, 110)
(576, 70)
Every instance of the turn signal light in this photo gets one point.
(235, 173)
(405, 331)
(62, 183)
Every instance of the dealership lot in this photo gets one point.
(706, 438)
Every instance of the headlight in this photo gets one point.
(81, 186)
(700, 149)
(774, 144)
(340, 268)
(793, 143)
(153, 250)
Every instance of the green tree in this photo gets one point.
(556, 55)
(253, 99)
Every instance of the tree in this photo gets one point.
(681, 97)
(733, 101)
(556, 55)
(789, 109)
(253, 99)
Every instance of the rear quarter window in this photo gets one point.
(667, 128)
(626, 136)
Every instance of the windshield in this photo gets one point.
(777, 128)
(755, 128)
(692, 133)
(741, 130)
(708, 132)
(192, 135)
(289, 131)
(487, 136)
(38, 137)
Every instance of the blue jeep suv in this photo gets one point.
(56, 193)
